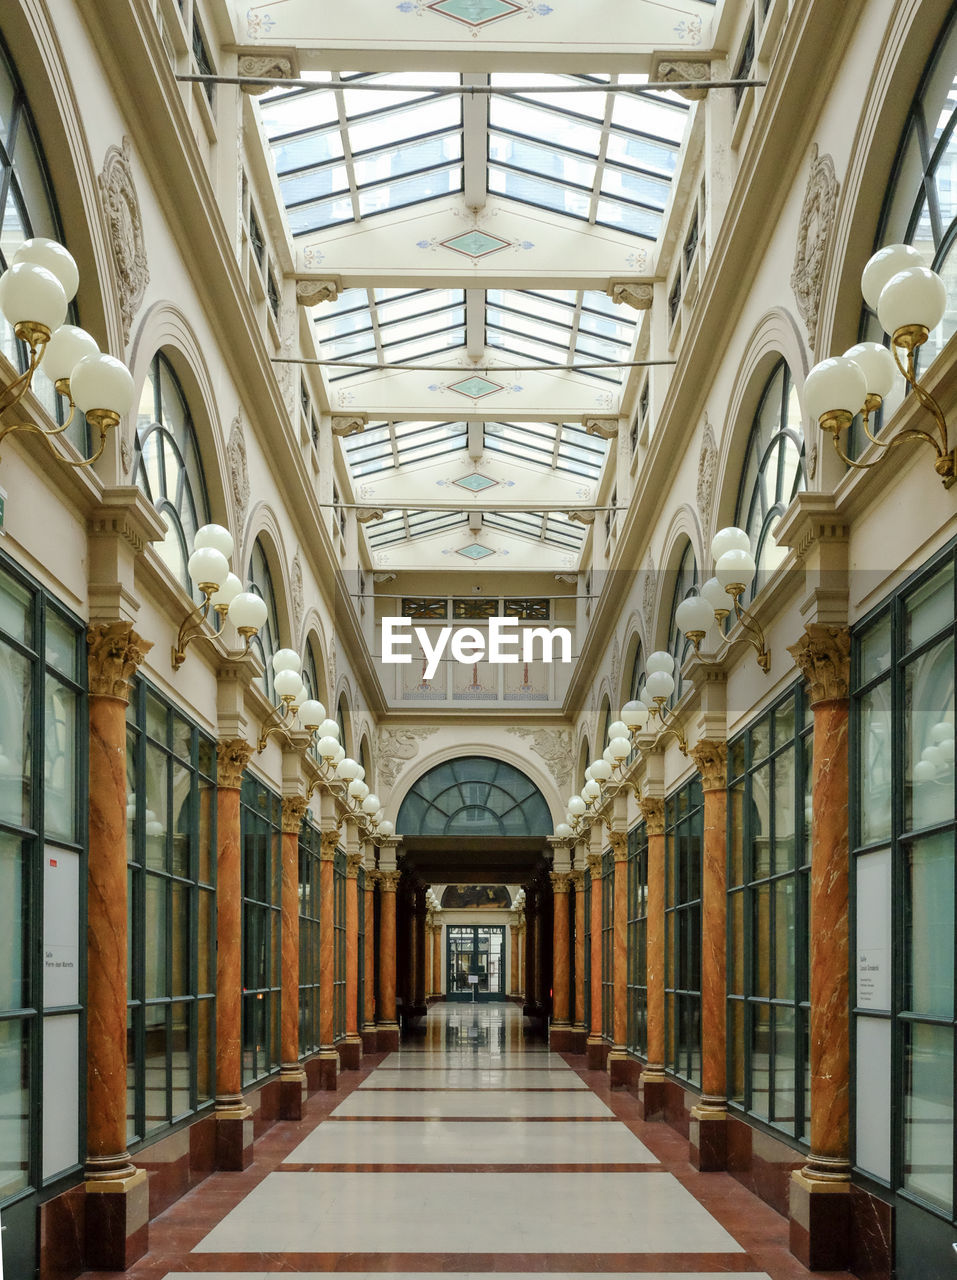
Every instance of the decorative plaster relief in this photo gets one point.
(124, 219)
(394, 749)
(238, 470)
(298, 603)
(814, 229)
(555, 748)
(707, 463)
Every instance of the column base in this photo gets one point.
(387, 1036)
(117, 1229)
(292, 1093)
(370, 1041)
(596, 1053)
(622, 1069)
(561, 1037)
(819, 1221)
(579, 1039)
(350, 1053)
(708, 1138)
(234, 1138)
(651, 1094)
(328, 1070)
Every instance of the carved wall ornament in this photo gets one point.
(328, 844)
(394, 749)
(126, 455)
(238, 470)
(389, 881)
(581, 517)
(628, 293)
(710, 756)
(114, 653)
(593, 865)
(555, 748)
(681, 72)
(649, 590)
(269, 67)
(653, 812)
(814, 229)
(232, 756)
(707, 465)
(125, 222)
(351, 425)
(823, 655)
(619, 845)
(578, 879)
(353, 863)
(561, 881)
(605, 428)
(309, 293)
(293, 811)
(812, 462)
(298, 597)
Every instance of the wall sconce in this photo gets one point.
(208, 568)
(910, 301)
(287, 682)
(734, 571)
(344, 777)
(35, 292)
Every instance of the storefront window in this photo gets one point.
(608, 945)
(339, 926)
(309, 845)
(684, 840)
(769, 855)
(261, 827)
(637, 940)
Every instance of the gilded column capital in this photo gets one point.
(353, 863)
(114, 653)
(593, 863)
(619, 845)
(577, 878)
(561, 881)
(328, 843)
(389, 881)
(653, 812)
(710, 756)
(823, 655)
(232, 756)
(293, 811)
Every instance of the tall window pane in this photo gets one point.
(684, 842)
(261, 828)
(266, 641)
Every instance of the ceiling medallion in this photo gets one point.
(475, 482)
(475, 551)
(476, 387)
(475, 13)
(476, 244)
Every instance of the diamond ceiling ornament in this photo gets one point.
(476, 244)
(475, 551)
(475, 13)
(475, 482)
(476, 387)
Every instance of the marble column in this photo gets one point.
(708, 1129)
(513, 960)
(117, 1195)
(328, 1055)
(522, 948)
(581, 1031)
(820, 1200)
(234, 1122)
(292, 1077)
(528, 960)
(350, 1049)
(559, 1035)
(437, 961)
(652, 1079)
(595, 1048)
(368, 1033)
(620, 1065)
(387, 1028)
(412, 952)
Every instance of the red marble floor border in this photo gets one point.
(473, 1168)
(464, 1088)
(479, 1119)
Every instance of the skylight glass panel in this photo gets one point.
(574, 201)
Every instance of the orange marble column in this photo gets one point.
(387, 1029)
(421, 969)
(292, 1077)
(581, 1031)
(522, 948)
(350, 1049)
(234, 1123)
(561, 961)
(513, 960)
(708, 1122)
(650, 1084)
(820, 1192)
(437, 960)
(594, 1047)
(328, 1055)
(619, 1063)
(369, 1043)
(117, 1195)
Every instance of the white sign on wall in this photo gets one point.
(874, 930)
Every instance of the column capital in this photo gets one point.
(653, 812)
(353, 863)
(593, 863)
(328, 843)
(561, 881)
(389, 881)
(232, 756)
(115, 652)
(619, 845)
(577, 878)
(823, 655)
(293, 811)
(710, 756)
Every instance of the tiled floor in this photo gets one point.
(470, 1151)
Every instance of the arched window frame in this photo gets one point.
(266, 641)
(182, 498)
(458, 784)
(773, 470)
(679, 646)
(310, 678)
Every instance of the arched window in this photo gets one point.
(919, 207)
(602, 742)
(679, 646)
(310, 678)
(342, 720)
(168, 468)
(266, 642)
(773, 470)
(637, 678)
(27, 209)
(474, 796)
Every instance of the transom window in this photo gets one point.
(474, 796)
(168, 467)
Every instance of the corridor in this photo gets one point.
(470, 1150)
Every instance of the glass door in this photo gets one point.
(476, 962)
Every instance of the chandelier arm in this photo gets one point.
(925, 399)
(191, 627)
(18, 388)
(279, 715)
(758, 641)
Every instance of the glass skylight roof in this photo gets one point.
(389, 325)
(562, 447)
(560, 327)
(344, 154)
